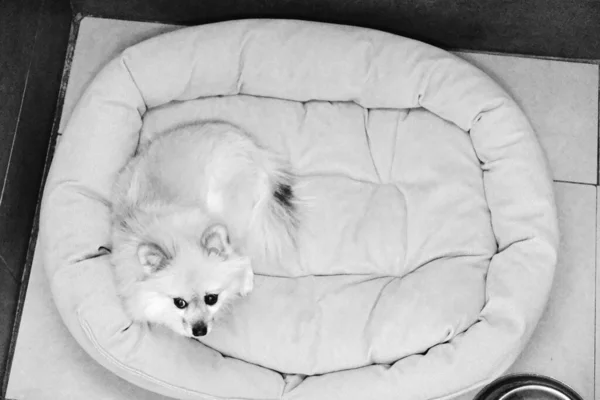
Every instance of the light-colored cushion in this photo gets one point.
(430, 244)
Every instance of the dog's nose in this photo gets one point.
(199, 329)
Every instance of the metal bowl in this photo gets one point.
(527, 387)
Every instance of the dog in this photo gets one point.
(191, 212)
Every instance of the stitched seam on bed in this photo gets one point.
(370, 317)
(393, 160)
(87, 329)
(366, 118)
(123, 61)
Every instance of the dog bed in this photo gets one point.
(428, 250)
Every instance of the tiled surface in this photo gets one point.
(561, 100)
(46, 350)
(563, 345)
(597, 350)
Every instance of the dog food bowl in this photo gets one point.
(527, 387)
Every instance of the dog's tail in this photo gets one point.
(276, 215)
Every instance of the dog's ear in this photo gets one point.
(152, 257)
(215, 240)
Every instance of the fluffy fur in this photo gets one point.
(190, 212)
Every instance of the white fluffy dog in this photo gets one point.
(191, 212)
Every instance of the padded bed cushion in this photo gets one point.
(428, 250)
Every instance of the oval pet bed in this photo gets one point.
(428, 251)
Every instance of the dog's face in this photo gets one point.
(186, 286)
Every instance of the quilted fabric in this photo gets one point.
(428, 249)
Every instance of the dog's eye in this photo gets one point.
(180, 303)
(211, 299)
